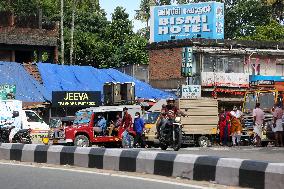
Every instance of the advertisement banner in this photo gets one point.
(191, 91)
(76, 98)
(186, 68)
(193, 20)
(7, 92)
(6, 110)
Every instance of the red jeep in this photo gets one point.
(81, 133)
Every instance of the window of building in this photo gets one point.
(225, 64)
(280, 69)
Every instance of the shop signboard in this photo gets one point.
(191, 91)
(186, 69)
(262, 83)
(193, 20)
(7, 92)
(76, 98)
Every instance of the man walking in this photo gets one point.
(277, 125)
(139, 128)
(258, 117)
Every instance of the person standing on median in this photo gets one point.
(126, 123)
(236, 126)
(258, 117)
(139, 128)
(277, 125)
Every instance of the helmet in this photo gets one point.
(170, 99)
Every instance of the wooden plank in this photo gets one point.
(202, 120)
(200, 129)
(200, 112)
(197, 103)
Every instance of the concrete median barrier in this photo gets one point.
(227, 171)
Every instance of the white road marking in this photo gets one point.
(109, 174)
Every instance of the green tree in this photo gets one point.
(277, 9)
(120, 27)
(270, 32)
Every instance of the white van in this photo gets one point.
(30, 120)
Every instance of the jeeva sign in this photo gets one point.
(76, 98)
(194, 20)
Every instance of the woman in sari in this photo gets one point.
(224, 126)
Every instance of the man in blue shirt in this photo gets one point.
(101, 124)
(139, 128)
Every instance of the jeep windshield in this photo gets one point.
(82, 117)
(151, 117)
(266, 100)
(250, 101)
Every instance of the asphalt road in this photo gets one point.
(19, 176)
(270, 154)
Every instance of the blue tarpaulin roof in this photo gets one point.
(27, 88)
(86, 78)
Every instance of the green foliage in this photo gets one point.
(271, 32)
(97, 41)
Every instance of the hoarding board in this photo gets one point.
(76, 98)
(193, 20)
(186, 68)
(191, 91)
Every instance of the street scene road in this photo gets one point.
(26, 176)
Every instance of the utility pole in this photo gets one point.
(72, 31)
(62, 32)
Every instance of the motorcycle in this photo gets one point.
(171, 135)
(22, 136)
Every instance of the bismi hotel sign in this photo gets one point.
(194, 20)
(76, 98)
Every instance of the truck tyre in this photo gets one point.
(81, 141)
(203, 141)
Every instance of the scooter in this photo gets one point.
(171, 135)
(22, 136)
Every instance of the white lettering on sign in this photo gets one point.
(191, 91)
(194, 24)
(163, 30)
(169, 12)
(76, 96)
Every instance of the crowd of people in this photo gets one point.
(230, 125)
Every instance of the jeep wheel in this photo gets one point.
(81, 141)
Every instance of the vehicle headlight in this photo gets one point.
(177, 119)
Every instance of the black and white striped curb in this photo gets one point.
(227, 171)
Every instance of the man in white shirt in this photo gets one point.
(258, 117)
(17, 124)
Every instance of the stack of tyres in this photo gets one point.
(112, 94)
(128, 93)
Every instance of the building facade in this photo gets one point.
(26, 39)
(222, 67)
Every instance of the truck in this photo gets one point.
(199, 126)
(267, 97)
(29, 119)
(81, 132)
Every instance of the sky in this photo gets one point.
(129, 5)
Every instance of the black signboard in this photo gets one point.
(76, 98)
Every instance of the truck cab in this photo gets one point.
(81, 133)
(267, 98)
